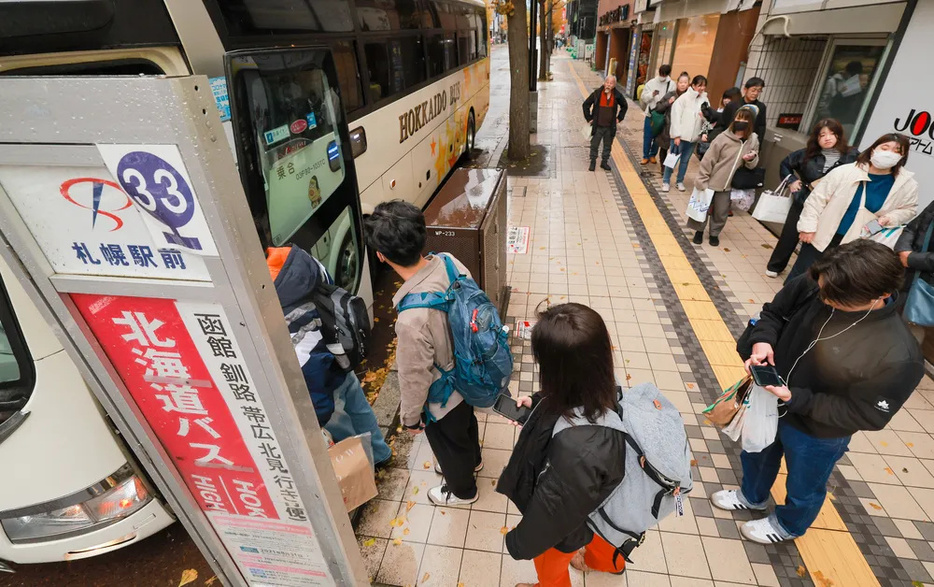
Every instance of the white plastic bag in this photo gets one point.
(671, 160)
(743, 199)
(761, 422)
(735, 428)
(587, 131)
(699, 204)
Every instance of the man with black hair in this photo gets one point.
(751, 92)
(396, 231)
(847, 362)
(653, 91)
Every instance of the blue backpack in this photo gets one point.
(482, 358)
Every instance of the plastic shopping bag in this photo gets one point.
(761, 423)
(887, 236)
(587, 131)
(672, 160)
(743, 199)
(735, 428)
(699, 204)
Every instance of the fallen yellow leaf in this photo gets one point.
(369, 542)
(426, 577)
(188, 576)
(802, 572)
(504, 530)
(211, 581)
(415, 490)
(397, 522)
(409, 505)
(822, 581)
(427, 464)
(875, 506)
(889, 471)
(397, 542)
(406, 532)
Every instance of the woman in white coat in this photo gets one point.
(875, 187)
(687, 121)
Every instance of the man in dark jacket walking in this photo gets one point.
(848, 362)
(603, 109)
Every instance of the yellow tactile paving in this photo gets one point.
(831, 555)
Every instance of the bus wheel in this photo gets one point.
(471, 138)
(347, 265)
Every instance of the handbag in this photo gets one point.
(658, 122)
(773, 206)
(919, 308)
(888, 236)
(722, 411)
(748, 179)
(699, 204)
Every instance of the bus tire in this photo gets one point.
(470, 140)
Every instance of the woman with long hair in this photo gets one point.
(735, 147)
(663, 106)
(687, 121)
(877, 182)
(802, 170)
(557, 482)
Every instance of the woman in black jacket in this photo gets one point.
(848, 363)
(826, 148)
(558, 482)
(916, 256)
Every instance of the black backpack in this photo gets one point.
(345, 324)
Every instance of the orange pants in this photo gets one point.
(552, 565)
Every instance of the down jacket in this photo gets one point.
(827, 204)
(295, 274)
(723, 158)
(857, 381)
(558, 482)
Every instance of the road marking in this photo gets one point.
(830, 553)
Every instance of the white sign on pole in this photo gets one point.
(155, 178)
(87, 225)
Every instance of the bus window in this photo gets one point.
(16, 374)
(442, 54)
(263, 17)
(463, 47)
(377, 63)
(348, 75)
(407, 55)
(295, 116)
(446, 16)
(393, 15)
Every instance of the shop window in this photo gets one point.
(845, 88)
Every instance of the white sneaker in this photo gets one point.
(476, 469)
(762, 531)
(441, 495)
(681, 187)
(772, 274)
(729, 500)
(666, 187)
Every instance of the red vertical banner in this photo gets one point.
(153, 351)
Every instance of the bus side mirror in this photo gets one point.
(357, 142)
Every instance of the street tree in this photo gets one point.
(517, 37)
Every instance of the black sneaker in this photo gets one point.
(699, 237)
(604, 165)
(715, 241)
(593, 165)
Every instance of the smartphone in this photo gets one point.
(873, 226)
(506, 407)
(765, 375)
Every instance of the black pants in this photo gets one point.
(809, 255)
(455, 440)
(787, 241)
(662, 155)
(606, 134)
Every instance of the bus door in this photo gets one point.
(294, 155)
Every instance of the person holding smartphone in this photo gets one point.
(848, 363)
(557, 482)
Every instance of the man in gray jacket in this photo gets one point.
(653, 91)
(396, 231)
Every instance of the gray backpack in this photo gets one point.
(658, 467)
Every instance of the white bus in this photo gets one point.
(331, 106)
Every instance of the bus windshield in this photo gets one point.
(294, 116)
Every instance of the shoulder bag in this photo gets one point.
(919, 309)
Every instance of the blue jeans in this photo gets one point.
(353, 415)
(810, 462)
(649, 146)
(686, 149)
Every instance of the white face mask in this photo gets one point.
(884, 159)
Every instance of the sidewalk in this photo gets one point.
(608, 240)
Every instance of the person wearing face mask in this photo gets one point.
(663, 106)
(752, 89)
(687, 121)
(735, 147)
(877, 182)
(654, 90)
(802, 170)
(823, 333)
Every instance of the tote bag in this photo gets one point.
(773, 206)
(672, 159)
(887, 236)
(919, 309)
(699, 204)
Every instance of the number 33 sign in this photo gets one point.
(155, 178)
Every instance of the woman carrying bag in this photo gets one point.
(875, 188)
(915, 250)
(735, 147)
(558, 481)
(663, 140)
(802, 170)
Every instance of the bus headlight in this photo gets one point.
(110, 500)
